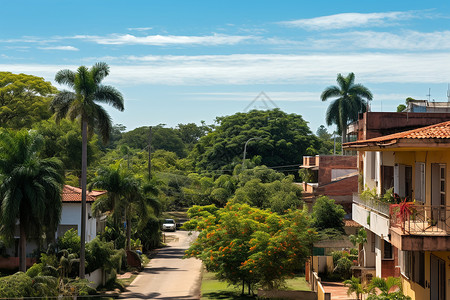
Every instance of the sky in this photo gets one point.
(191, 61)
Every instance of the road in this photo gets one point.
(168, 276)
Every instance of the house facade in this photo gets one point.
(333, 175)
(409, 238)
(71, 212)
(70, 218)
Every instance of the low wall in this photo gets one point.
(304, 295)
(95, 278)
(12, 263)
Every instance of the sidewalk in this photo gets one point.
(337, 290)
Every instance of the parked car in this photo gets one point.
(169, 225)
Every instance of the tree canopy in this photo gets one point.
(246, 245)
(24, 100)
(283, 140)
(350, 100)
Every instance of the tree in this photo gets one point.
(63, 140)
(122, 190)
(247, 245)
(381, 289)
(30, 188)
(359, 239)
(350, 101)
(327, 214)
(82, 105)
(354, 286)
(24, 100)
(162, 138)
(283, 140)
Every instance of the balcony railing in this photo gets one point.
(373, 204)
(420, 219)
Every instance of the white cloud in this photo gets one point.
(248, 69)
(140, 29)
(348, 20)
(63, 48)
(164, 40)
(407, 40)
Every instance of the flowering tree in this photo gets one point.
(248, 246)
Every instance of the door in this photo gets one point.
(437, 278)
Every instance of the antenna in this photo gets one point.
(448, 92)
(262, 97)
(429, 94)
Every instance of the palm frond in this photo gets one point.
(109, 95)
(99, 71)
(66, 77)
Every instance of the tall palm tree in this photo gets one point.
(350, 101)
(124, 198)
(82, 104)
(30, 188)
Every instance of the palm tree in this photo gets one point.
(124, 197)
(81, 104)
(359, 239)
(350, 100)
(354, 286)
(30, 188)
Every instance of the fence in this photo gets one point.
(420, 219)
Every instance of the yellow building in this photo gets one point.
(416, 164)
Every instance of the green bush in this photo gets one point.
(70, 241)
(16, 285)
(343, 267)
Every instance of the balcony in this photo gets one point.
(420, 227)
(420, 219)
(372, 204)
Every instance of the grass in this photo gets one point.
(215, 289)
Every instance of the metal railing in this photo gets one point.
(376, 205)
(420, 219)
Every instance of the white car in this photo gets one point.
(169, 225)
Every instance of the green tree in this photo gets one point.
(384, 289)
(283, 140)
(122, 189)
(30, 188)
(162, 138)
(82, 104)
(350, 101)
(63, 140)
(248, 246)
(354, 286)
(327, 214)
(24, 100)
(401, 107)
(359, 239)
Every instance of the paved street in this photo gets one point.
(168, 276)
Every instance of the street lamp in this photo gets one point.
(245, 149)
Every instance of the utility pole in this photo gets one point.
(149, 154)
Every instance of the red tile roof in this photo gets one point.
(73, 194)
(436, 131)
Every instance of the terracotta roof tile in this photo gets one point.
(436, 131)
(73, 194)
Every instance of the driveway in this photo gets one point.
(168, 276)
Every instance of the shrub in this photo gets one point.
(70, 241)
(16, 285)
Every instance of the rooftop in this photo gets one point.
(73, 194)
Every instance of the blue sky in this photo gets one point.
(188, 61)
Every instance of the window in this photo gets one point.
(387, 178)
(403, 180)
(418, 267)
(405, 263)
(387, 250)
(419, 192)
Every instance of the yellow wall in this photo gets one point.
(417, 292)
(428, 157)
